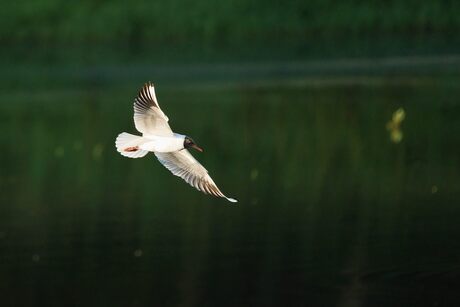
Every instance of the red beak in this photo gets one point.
(197, 148)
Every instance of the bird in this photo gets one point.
(170, 148)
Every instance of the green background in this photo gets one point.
(290, 101)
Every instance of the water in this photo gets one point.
(331, 211)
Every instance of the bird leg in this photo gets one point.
(131, 149)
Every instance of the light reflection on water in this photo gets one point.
(331, 211)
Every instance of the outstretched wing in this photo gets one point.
(148, 117)
(182, 164)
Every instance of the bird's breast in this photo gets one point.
(162, 144)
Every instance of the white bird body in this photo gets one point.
(156, 143)
(168, 147)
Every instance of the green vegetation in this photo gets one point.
(210, 23)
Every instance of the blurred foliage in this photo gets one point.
(394, 125)
(218, 22)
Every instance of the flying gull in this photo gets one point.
(170, 148)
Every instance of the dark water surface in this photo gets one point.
(331, 212)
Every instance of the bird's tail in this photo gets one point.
(128, 145)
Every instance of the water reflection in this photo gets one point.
(330, 212)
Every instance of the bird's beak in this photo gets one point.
(197, 147)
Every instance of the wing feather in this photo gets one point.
(182, 164)
(148, 117)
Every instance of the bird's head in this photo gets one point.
(188, 142)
